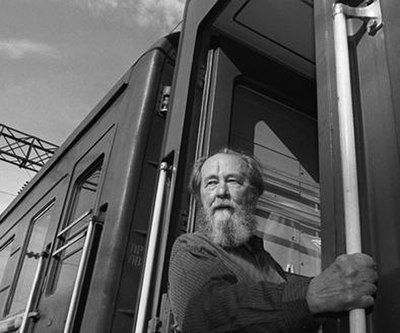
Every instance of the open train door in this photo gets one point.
(373, 34)
(245, 79)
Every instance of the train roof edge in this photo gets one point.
(166, 44)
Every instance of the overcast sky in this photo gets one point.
(58, 58)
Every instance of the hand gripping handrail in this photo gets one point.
(151, 249)
(372, 15)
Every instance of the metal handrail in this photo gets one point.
(79, 277)
(70, 226)
(151, 248)
(77, 232)
(372, 15)
(71, 242)
(12, 323)
(36, 280)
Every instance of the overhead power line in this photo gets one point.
(24, 150)
(8, 193)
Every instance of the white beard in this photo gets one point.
(228, 227)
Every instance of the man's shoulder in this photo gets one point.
(192, 239)
(191, 236)
(197, 244)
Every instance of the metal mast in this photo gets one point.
(24, 150)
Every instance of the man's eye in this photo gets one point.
(211, 182)
(234, 181)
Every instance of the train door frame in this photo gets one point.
(186, 101)
(193, 44)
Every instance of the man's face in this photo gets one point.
(223, 182)
(227, 199)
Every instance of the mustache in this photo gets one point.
(223, 203)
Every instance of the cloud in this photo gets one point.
(99, 6)
(20, 48)
(165, 12)
(161, 14)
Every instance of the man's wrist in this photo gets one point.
(295, 305)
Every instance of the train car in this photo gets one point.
(85, 246)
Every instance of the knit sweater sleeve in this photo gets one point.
(206, 296)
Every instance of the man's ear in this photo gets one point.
(253, 198)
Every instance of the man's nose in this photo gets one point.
(222, 190)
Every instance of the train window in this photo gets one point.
(85, 191)
(5, 253)
(35, 245)
(285, 142)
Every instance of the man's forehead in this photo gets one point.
(226, 163)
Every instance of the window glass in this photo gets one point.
(36, 243)
(68, 271)
(5, 252)
(285, 142)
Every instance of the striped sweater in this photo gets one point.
(243, 289)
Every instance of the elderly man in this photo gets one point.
(222, 279)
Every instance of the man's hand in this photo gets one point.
(347, 284)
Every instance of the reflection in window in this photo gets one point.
(285, 142)
(5, 252)
(37, 236)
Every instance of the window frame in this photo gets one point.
(17, 276)
(83, 173)
(3, 246)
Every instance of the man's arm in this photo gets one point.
(208, 297)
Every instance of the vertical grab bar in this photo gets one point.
(79, 277)
(348, 151)
(36, 280)
(151, 248)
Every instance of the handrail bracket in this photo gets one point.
(370, 14)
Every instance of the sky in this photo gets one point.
(58, 58)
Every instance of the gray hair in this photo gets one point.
(253, 172)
